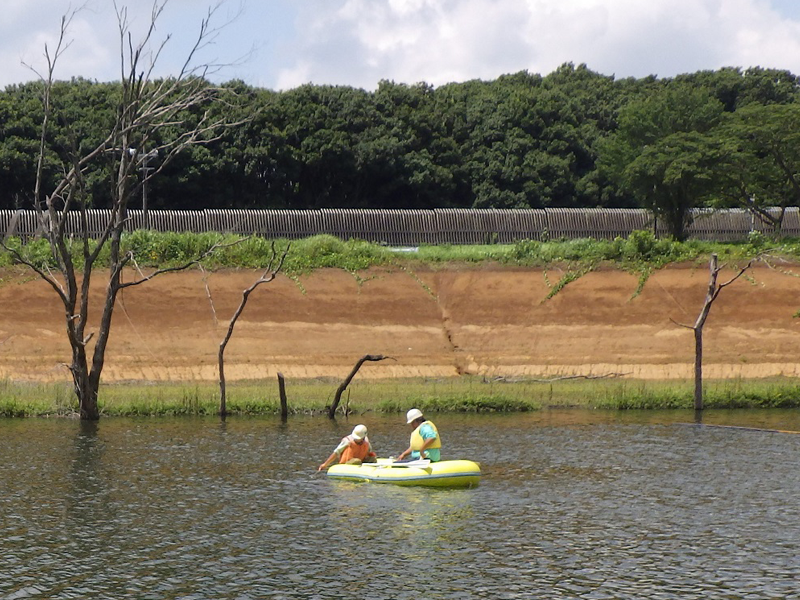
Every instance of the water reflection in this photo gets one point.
(572, 504)
(86, 504)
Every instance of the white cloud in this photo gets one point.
(94, 39)
(359, 42)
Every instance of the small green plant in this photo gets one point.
(566, 279)
(525, 251)
(757, 241)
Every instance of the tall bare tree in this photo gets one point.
(166, 115)
(273, 268)
(714, 289)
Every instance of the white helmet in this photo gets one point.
(413, 415)
(359, 432)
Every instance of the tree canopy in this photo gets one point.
(573, 138)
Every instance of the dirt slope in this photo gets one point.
(490, 321)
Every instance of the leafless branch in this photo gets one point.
(681, 324)
(208, 294)
(42, 272)
(343, 386)
(273, 268)
(181, 267)
(734, 278)
(714, 289)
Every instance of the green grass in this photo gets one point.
(453, 395)
(639, 252)
(25, 400)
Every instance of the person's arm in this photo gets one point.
(404, 453)
(334, 455)
(429, 436)
(425, 445)
(331, 459)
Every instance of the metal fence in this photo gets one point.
(414, 227)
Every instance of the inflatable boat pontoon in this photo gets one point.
(446, 473)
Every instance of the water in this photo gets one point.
(572, 504)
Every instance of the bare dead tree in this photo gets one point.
(713, 292)
(343, 386)
(273, 268)
(151, 113)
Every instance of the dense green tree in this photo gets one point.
(760, 163)
(521, 140)
(674, 175)
(406, 160)
(20, 113)
(665, 171)
(769, 86)
(736, 88)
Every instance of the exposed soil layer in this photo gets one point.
(485, 320)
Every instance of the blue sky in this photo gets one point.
(280, 44)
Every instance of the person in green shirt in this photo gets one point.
(425, 441)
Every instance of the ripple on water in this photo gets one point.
(580, 509)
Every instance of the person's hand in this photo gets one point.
(322, 466)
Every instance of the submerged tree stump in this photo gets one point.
(282, 392)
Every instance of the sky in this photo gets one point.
(281, 44)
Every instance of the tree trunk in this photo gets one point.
(272, 270)
(284, 403)
(337, 398)
(86, 393)
(698, 331)
(713, 291)
(223, 406)
(698, 368)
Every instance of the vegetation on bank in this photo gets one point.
(456, 395)
(639, 251)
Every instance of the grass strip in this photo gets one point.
(450, 395)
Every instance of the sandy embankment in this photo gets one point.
(490, 321)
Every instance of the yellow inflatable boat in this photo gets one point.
(445, 473)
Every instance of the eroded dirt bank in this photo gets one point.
(490, 321)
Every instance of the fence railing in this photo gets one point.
(414, 227)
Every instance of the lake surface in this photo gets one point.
(572, 504)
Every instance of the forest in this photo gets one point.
(572, 138)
